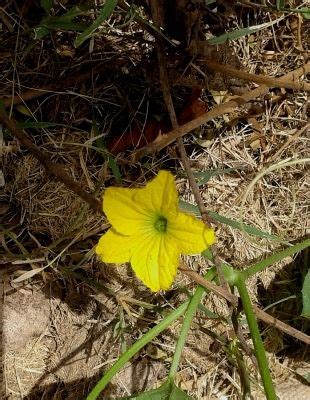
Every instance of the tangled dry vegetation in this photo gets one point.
(68, 323)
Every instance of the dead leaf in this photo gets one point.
(218, 95)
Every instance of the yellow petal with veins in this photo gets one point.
(149, 231)
(122, 210)
(155, 260)
(190, 234)
(114, 247)
(160, 195)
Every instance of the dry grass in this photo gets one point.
(77, 317)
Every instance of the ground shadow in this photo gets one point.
(283, 300)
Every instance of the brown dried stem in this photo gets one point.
(62, 84)
(217, 111)
(270, 81)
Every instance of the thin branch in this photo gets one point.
(217, 111)
(270, 81)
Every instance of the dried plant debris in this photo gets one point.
(88, 107)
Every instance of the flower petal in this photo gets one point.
(122, 210)
(190, 234)
(114, 247)
(155, 260)
(160, 195)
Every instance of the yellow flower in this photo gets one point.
(149, 231)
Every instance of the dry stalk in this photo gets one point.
(270, 81)
(217, 111)
(61, 85)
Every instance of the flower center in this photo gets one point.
(161, 224)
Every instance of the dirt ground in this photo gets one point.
(64, 326)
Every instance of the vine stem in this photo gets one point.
(260, 353)
(289, 251)
(188, 319)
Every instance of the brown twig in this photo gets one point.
(269, 81)
(52, 168)
(217, 111)
(220, 291)
(260, 314)
(183, 130)
(157, 14)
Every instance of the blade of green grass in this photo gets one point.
(46, 5)
(306, 296)
(280, 4)
(34, 124)
(236, 34)
(105, 13)
(252, 230)
(62, 22)
(167, 391)
(205, 176)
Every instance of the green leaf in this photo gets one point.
(63, 22)
(306, 296)
(252, 230)
(305, 12)
(205, 176)
(115, 170)
(275, 257)
(306, 377)
(280, 4)
(40, 32)
(105, 12)
(47, 5)
(236, 34)
(208, 255)
(168, 391)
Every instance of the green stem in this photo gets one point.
(254, 269)
(146, 338)
(188, 318)
(256, 338)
